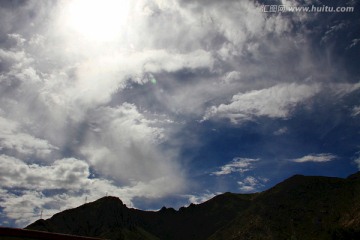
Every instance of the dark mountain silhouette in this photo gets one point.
(300, 207)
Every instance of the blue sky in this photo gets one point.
(164, 103)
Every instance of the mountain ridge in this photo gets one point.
(300, 207)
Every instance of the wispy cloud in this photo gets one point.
(281, 131)
(343, 89)
(321, 157)
(355, 111)
(251, 184)
(357, 161)
(239, 165)
(274, 102)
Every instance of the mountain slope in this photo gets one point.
(299, 208)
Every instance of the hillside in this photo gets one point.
(300, 207)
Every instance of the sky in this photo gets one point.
(167, 103)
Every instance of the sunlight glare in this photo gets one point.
(99, 20)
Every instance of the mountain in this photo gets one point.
(301, 207)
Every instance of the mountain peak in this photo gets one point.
(310, 206)
(109, 199)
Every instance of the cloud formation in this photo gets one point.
(124, 145)
(12, 139)
(197, 199)
(273, 102)
(63, 184)
(281, 131)
(251, 184)
(357, 161)
(61, 174)
(321, 157)
(355, 111)
(240, 165)
(85, 116)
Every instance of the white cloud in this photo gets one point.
(63, 93)
(61, 174)
(67, 178)
(281, 131)
(161, 60)
(357, 161)
(11, 138)
(25, 206)
(240, 165)
(321, 157)
(97, 79)
(342, 89)
(197, 199)
(67, 96)
(64, 184)
(251, 184)
(332, 31)
(124, 145)
(233, 76)
(11, 57)
(354, 42)
(61, 96)
(355, 111)
(274, 102)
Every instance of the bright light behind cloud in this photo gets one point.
(97, 20)
(160, 102)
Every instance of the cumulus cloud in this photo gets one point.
(51, 188)
(124, 145)
(232, 77)
(63, 184)
(251, 184)
(63, 95)
(240, 165)
(11, 138)
(321, 157)
(26, 206)
(274, 102)
(61, 174)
